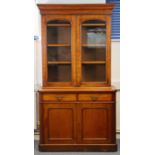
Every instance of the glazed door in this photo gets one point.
(93, 50)
(59, 50)
(59, 123)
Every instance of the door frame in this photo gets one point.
(81, 19)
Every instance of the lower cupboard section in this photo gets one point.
(77, 126)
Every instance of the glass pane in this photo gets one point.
(94, 35)
(93, 73)
(59, 73)
(93, 54)
(94, 51)
(58, 34)
(59, 51)
(59, 54)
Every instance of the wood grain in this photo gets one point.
(92, 132)
(96, 97)
(74, 9)
(59, 62)
(58, 97)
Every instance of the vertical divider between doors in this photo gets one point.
(78, 76)
(78, 47)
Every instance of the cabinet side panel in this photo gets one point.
(44, 50)
(41, 128)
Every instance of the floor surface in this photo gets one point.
(36, 152)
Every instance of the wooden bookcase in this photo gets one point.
(77, 101)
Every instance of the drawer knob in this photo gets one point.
(59, 98)
(93, 98)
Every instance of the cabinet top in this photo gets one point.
(75, 8)
(79, 89)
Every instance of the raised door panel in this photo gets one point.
(96, 123)
(59, 123)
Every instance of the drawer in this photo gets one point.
(58, 97)
(96, 97)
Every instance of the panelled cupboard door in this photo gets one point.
(59, 123)
(93, 47)
(58, 32)
(95, 123)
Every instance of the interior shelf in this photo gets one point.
(59, 62)
(93, 62)
(93, 45)
(58, 45)
(51, 25)
(93, 24)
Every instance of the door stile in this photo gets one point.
(73, 49)
(78, 117)
(108, 50)
(79, 56)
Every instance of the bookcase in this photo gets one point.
(76, 100)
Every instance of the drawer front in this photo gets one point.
(58, 97)
(96, 97)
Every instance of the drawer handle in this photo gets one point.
(94, 98)
(59, 98)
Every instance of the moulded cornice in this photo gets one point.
(76, 8)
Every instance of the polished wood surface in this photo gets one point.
(58, 97)
(76, 100)
(91, 131)
(59, 123)
(77, 118)
(78, 147)
(74, 9)
(93, 62)
(78, 89)
(59, 62)
(58, 45)
(95, 97)
(53, 25)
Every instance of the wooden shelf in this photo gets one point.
(59, 62)
(93, 45)
(93, 62)
(51, 25)
(58, 45)
(93, 24)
